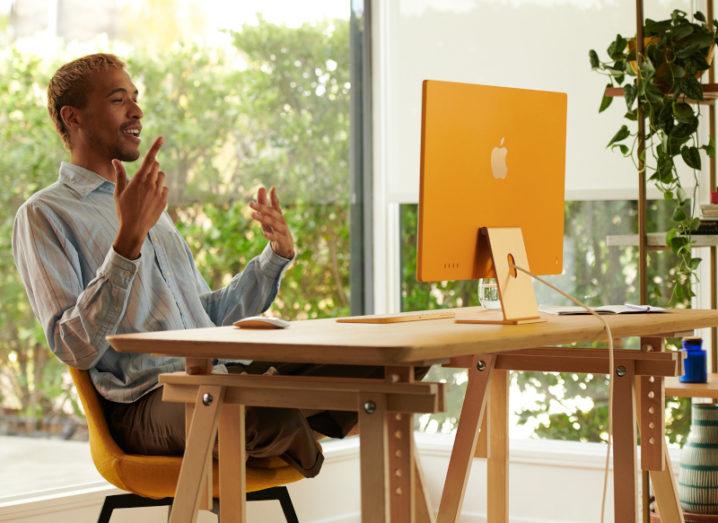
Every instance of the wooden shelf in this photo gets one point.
(710, 94)
(692, 390)
(657, 240)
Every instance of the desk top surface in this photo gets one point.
(327, 341)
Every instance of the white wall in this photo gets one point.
(550, 482)
(540, 44)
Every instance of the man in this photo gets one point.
(98, 255)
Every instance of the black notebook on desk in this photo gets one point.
(627, 308)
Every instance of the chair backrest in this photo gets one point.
(105, 451)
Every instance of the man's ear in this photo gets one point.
(70, 117)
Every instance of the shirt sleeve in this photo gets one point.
(75, 318)
(250, 292)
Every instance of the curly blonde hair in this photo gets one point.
(70, 86)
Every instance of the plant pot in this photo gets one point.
(698, 474)
(690, 517)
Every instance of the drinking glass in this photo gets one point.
(489, 293)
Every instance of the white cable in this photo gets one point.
(610, 375)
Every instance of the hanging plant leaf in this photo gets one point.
(593, 58)
(615, 50)
(605, 102)
(693, 89)
(683, 112)
(711, 147)
(629, 93)
(622, 134)
(677, 71)
(699, 16)
(682, 31)
(691, 156)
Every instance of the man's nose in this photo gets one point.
(135, 111)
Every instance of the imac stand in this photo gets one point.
(516, 293)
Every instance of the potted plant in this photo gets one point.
(662, 82)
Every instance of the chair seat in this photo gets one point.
(156, 476)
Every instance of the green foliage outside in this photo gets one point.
(568, 406)
(272, 110)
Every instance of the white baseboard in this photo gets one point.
(551, 482)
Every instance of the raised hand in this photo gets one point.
(138, 203)
(274, 226)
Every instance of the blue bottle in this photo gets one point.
(694, 364)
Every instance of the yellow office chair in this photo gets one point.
(152, 479)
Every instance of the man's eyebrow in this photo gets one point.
(120, 90)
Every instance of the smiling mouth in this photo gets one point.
(133, 132)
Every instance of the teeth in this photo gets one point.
(133, 132)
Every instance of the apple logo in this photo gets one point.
(498, 161)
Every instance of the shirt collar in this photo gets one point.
(82, 181)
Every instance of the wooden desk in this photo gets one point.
(391, 484)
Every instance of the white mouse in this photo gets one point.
(261, 322)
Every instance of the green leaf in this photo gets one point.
(629, 93)
(691, 156)
(711, 147)
(605, 103)
(679, 214)
(693, 89)
(694, 263)
(631, 115)
(624, 149)
(652, 28)
(683, 112)
(653, 93)
(621, 135)
(617, 47)
(682, 31)
(677, 71)
(593, 58)
(699, 16)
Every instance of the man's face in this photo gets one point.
(110, 122)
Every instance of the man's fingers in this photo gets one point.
(151, 154)
(160, 180)
(152, 174)
(262, 196)
(269, 222)
(269, 211)
(275, 199)
(120, 177)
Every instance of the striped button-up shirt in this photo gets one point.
(81, 290)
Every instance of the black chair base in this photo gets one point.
(118, 501)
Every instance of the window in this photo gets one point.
(557, 405)
(245, 93)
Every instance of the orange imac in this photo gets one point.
(492, 188)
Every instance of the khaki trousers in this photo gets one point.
(152, 427)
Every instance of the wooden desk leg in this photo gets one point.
(199, 443)
(664, 486)
(423, 510)
(498, 455)
(200, 366)
(402, 471)
(232, 470)
(482, 447)
(373, 455)
(624, 444)
(480, 373)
